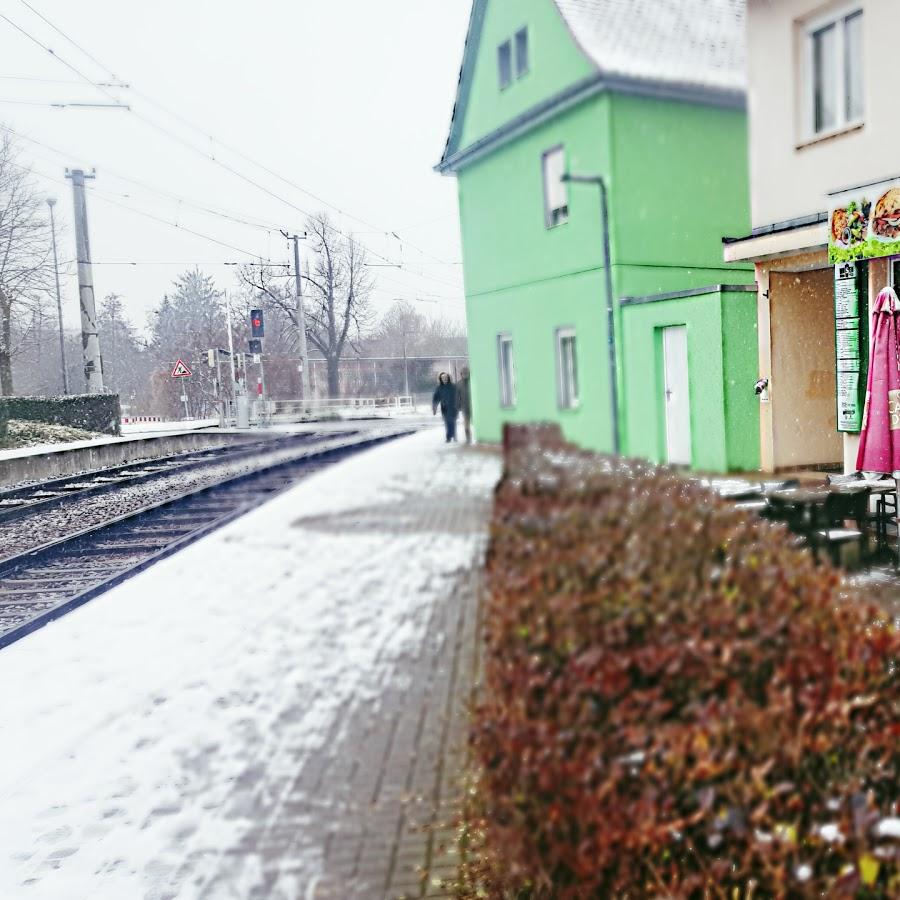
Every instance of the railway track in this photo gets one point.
(23, 500)
(44, 583)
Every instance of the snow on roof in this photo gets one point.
(697, 42)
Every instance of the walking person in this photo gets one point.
(446, 398)
(464, 393)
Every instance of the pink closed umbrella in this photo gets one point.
(879, 442)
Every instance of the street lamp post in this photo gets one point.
(51, 202)
(610, 302)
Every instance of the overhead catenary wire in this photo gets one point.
(189, 262)
(284, 179)
(211, 137)
(114, 174)
(184, 120)
(56, 56)
(103, 195)
(106, 199)
(233, 217)
(71, 40)
(189, 145)
(46, 104)
(33, 79)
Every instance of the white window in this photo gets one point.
(835, 67)
(504, 62)
(507, 370)
(566, 368)
(556, 195)
(521, 52)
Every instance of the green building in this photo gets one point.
(649, 96)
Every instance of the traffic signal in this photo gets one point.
(211, 358)
(257, 325)
(255, 346)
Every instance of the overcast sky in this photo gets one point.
(348, 99)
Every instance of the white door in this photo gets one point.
(677, 396)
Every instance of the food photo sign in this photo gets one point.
(864, 223)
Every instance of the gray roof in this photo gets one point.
(696, 42)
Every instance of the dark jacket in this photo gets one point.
(464, 397)
(445, 396)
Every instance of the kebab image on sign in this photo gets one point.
(850, 224)
(886, 219)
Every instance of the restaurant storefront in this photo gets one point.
(815, 278)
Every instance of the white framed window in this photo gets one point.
(556, 194)
(522, 61)
(507, 367)
(504, 64)
(834, 64)
(566, 368)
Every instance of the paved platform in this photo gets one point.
(272, 713)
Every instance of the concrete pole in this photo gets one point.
(90, 340)
(51, 202)
(301, 319)
(405, 368)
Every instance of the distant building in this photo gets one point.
(825, 232)
(649, 95)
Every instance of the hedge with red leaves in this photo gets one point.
(677, 702)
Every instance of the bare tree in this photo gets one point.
(336, 299)
(25, 253)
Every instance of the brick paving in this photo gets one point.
(391, 780)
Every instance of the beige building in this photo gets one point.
(824, 156)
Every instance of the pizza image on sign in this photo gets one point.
(181, 370)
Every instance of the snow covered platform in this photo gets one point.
(59, 460)
(163, 427)
(266, 714)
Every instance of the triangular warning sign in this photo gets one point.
(181, 370)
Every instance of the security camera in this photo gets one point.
(761, 385)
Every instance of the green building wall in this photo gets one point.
(677, 178)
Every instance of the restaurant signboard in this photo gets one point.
(851, 339)
(864, 222)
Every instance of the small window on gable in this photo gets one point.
(566, 368)
(556, 195)
(521, 53)
(507, 370)
(504, 62)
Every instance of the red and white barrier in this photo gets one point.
(131, 420)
